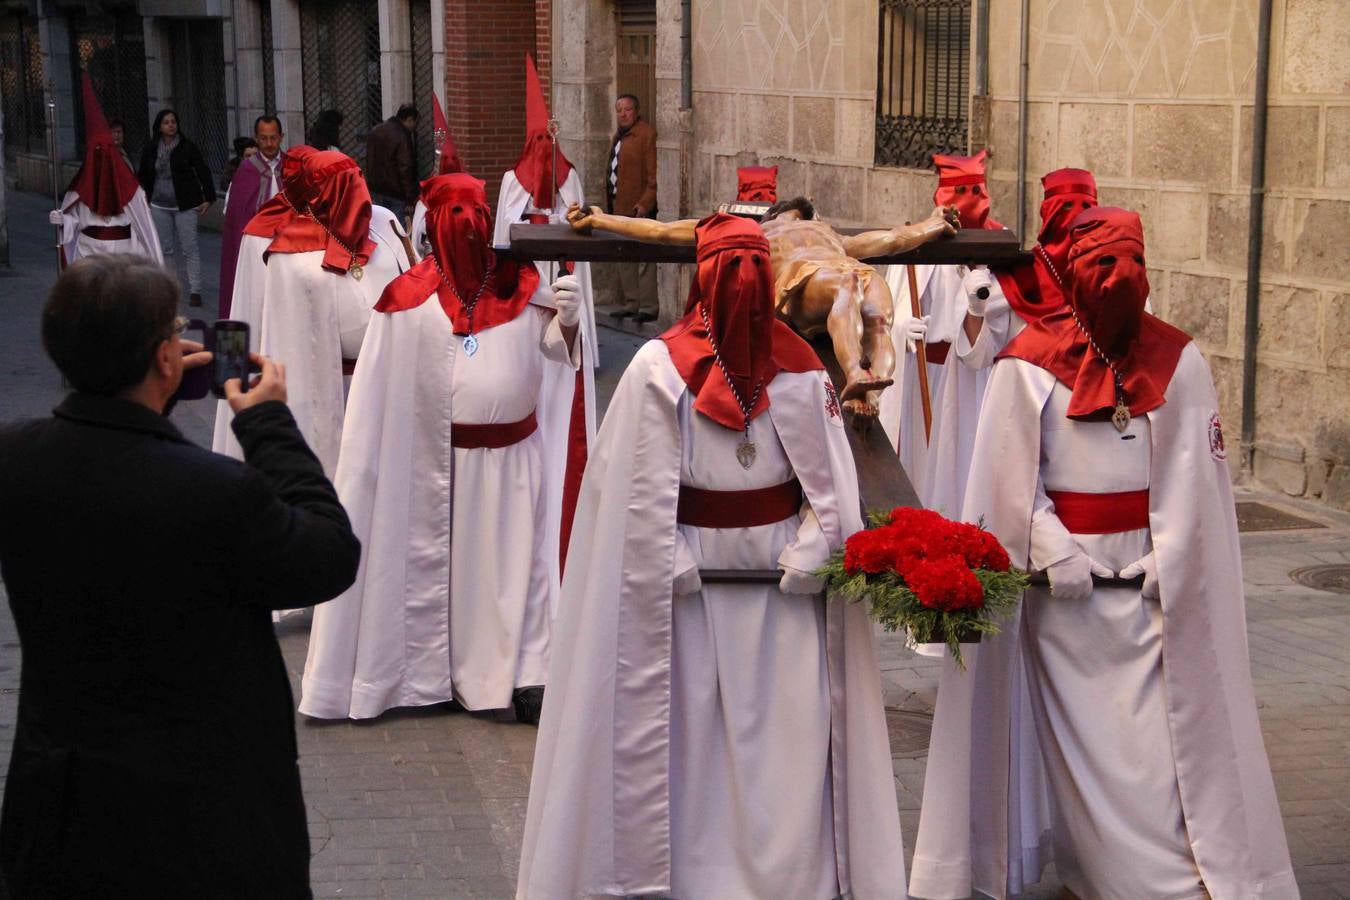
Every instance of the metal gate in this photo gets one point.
(112, 49)
(197, 61)
(923, 80)
(424, 148)
(269, 75)
(340, 55)
(21, 85)
(636, 69)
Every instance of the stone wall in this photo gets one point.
(1155, 96)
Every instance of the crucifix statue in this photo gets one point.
(820, 281)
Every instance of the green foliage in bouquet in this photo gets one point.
(943, 581)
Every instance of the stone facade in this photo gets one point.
(1155, 96)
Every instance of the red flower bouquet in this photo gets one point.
(942, 581)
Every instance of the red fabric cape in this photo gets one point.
(105, 183)
(512, 286)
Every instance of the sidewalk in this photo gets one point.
(426, 803)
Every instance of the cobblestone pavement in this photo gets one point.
(431, 803)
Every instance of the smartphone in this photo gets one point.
(231, 355)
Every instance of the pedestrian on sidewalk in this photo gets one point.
(175, 177)
(155, 747)
(391, 164)
(631, 191)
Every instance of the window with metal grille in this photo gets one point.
(197, 59)
(923, 80)
(419, 25)
(340, 59)
(21, 81)
(636, 64)
(112, 49)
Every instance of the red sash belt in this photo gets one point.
(1101, 513)
(936, 352)
(536, 218)
(738, 509)
(474, 437)
(108, 232)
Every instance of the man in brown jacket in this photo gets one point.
(391, 171)
(631, 190)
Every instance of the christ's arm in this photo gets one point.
(871, 244)
(584, 220)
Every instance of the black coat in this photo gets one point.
(155, 752)
(192, 184)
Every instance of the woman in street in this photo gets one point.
(175, 177)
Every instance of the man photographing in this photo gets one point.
(155, 748)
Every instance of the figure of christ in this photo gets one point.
(820, 281)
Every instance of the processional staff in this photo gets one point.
(54, 157)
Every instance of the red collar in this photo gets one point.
(503, 299)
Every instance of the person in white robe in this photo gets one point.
(104, 210)
(308, 289)
(938, 459)
(1100, 462)
(444, 473)
(709, 739)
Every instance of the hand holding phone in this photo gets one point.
(271, 385)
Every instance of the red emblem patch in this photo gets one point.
(831, 401)
(1216, 448)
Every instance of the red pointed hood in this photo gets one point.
(332, 203)
(1108, 285)
(731, 305)
(278, 212)
(535, 166)
(757, 183)
(105, 183)
(449, 161)
(1038, 288)
(961, 184)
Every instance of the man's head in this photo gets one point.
(267, 135)
(407, 116)
(796, 208)
(1107, 275)
(108, 324)
(117, 128)
(961, 185)
(1067, 193)
(626, 110)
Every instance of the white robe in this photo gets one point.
(310, 319)
(75, 217)
(669, 749)
(460, 570)
(987, 822)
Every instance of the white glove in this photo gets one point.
(1071, 579)
(567, 299)
(795, 581)
(978, 280)
(687, 582)
(55, 217)
(1148, 567)
(913, 330)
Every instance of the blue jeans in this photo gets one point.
(178, 234)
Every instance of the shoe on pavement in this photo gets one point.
(194, 300)
(529, 703)
(644, 317)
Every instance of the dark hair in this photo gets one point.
(637, 104)
(801, 204)
(241, 144)
(406, 111)
(116, 123)
(105, 317)
(271, 120)
(159, 118)
(326, 130)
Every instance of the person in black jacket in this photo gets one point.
(155, 751)
(178, 184)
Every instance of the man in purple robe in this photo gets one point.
(257, 180)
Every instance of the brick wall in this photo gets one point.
(485, 46)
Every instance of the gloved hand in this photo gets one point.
(55, 217)
(567, 299)
(1148, 567)
(795, 581)
(1071, 579)
(978, 281)
(913, 330)
(687, 582)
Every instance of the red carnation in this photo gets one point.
(945, 583)
(868, 551)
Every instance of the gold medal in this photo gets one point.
(357, 271)
(1121, 417)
